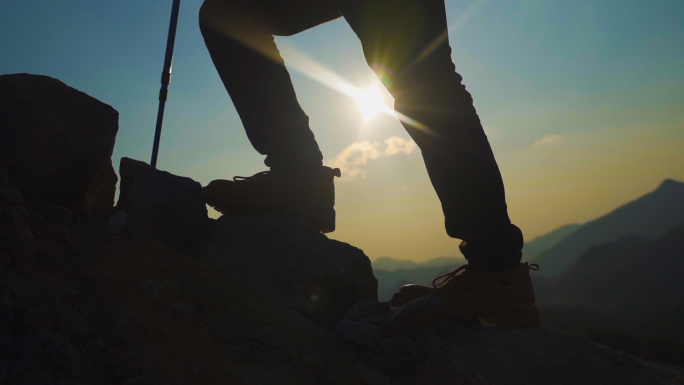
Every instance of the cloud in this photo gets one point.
(396, 145)
(548, 140)
(353, 159)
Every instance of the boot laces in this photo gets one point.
(452, 274)
(446, 277)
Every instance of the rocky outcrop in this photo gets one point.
(57, 142)
(283, 260)
(257, 298)
(16, 239)
(91, 306)
(161, 205)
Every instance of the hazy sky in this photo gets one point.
(583, 102)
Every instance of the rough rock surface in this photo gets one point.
(282, 258)
(57, 142)
(82, 304)
(161, 205)
(253, 300)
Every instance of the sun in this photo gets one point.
(370, 102)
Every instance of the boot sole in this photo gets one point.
(520, 314)
(320, 216)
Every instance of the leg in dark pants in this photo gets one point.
(405, 42)
(239, 36)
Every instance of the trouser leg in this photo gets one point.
(239, 36)
(405, 42)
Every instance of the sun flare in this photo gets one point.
(370, 102)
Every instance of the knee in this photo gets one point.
(205, 15)
(209, 14)
(215, 15)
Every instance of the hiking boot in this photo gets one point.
(310, 196)
(494, 297)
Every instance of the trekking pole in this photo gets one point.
(165, 79)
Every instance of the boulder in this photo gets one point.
(16, 239)
(282, 258)
(359, 332)
(57, 142)
(160, 205)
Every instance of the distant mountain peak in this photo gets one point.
(670, 184)
(651, 215)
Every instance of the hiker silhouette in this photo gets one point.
(406, 43)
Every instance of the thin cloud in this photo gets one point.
(352, 161)
(396, 145)
(548, 140)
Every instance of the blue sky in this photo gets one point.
(583, 103)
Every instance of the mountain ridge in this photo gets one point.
(650, 215)
(392, 264)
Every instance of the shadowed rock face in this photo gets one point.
(161, 205)
(283, 259)
(57, 142)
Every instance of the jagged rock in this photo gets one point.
(57, 142)
(148, 288)
(161, 205)
(16, 238)
(282, 258)
(415, 317)
(369, 311)
(361, 333)
(397, 345)
(118, 222)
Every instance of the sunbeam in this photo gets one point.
(467, 14)
(307, 66)
(369, 100)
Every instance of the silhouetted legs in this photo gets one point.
(239, 36)
(405, 42)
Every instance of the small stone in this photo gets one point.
(135, 380)
(375, 319)
(174, 283)
(397, 345)
(396, 365)
(370, 311)
(313, 363)
(353, 313)
(184, 308)
(271, 337)
(415, 317)
(148, 288)
(373, 348)
(371, 307)
(370, 377)
(117, 222)
(66, 234)
(358, 332)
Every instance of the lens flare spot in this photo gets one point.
(370, 102)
